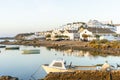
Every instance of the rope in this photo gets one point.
(32, 76)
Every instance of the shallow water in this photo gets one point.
(28, 66)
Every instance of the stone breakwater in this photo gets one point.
(84, 75)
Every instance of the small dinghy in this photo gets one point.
(35, 51)
(12, 48)
(2, 46)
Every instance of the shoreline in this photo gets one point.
(66, 44)
(74, 45)
(84, 75)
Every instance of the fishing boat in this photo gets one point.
(12, 48)
(60, 66)
(35, 51)
(55, 66)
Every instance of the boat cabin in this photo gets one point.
(58, 64)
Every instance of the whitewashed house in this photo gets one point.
(68, 26)
(86, 32)
(104, 33)
(72, 34)
(40, 35)
(97, 24)
(118, 29)
(94, 23)
(29, 37)
(92, 32)
(74, 25)
(55, 33)
(48, 32)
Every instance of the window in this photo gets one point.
(57, 64)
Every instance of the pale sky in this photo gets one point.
(20, 16)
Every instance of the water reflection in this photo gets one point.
(77, 53)
(14, 63)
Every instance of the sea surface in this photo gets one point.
(28, 66)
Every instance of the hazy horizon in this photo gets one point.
(39, 15)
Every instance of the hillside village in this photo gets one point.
(91, 30)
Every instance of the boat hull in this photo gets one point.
(2, 46)
(12, 48)
(52, 69)
(31, 51)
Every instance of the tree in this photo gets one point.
(97, 36)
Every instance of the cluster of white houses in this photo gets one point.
(79, 31)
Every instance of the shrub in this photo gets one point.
(104, 41)
(93, 42)
(48, 35)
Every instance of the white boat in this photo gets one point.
(55, 66)
(60, 66)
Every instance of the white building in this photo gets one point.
(97, 24)
(92, 32)
(118, 29)
(72, 34)
(86, 32)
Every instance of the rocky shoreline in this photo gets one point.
(74, 45)
(84, 75)
(66, 44)
(8, 78)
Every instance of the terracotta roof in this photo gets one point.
(100, 30)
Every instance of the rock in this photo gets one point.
(84, 75)
(8, 78)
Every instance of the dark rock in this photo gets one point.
(84, 75)
(8, 78)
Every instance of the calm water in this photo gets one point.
(23, 66)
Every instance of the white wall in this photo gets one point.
(71, 35)
(118, 30)
(85, 32)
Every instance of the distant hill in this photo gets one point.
(21, 36)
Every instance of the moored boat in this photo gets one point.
(2, 46)
(55, 66)
(60, 66)
(12, 48)
(33, 51)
